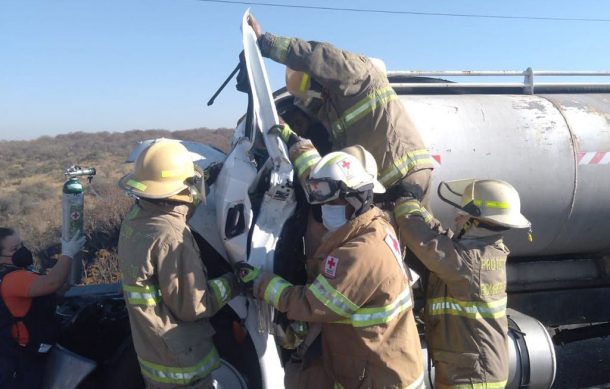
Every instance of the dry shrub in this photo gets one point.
(104, 269)
(31, 178)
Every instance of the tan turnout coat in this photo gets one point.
(362, 297)
(466, 323)
(360, 106)
(169, 298)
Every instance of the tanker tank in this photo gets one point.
(554, 147)
(555, 150)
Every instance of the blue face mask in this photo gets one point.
(333, 216)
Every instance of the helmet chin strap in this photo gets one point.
(361, 201)
(467, 226)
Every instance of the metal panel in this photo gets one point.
(520, 139)
(588, 226)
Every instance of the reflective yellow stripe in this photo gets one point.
(221, 290)
(411, 207)
(370, 316)
(306, 160)
(304, 82)
(401, 166)
(279, 49)
(180, 375)
(142, 295)
(172, 173)
(492, 204)
(469, 309)
(332, 298)
(480, 385)
(136, 184)
(274, 290)
(361, 109)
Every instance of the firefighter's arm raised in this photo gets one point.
(332, 67)
(435, 249)
(185, 288)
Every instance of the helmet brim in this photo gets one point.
(510, 221)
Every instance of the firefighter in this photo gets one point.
(169, 297)
(28, 326)
(361, 294)
(465, 311)
(350, 94)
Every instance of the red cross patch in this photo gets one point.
(393, 244)
(330, 266)
(345, 167)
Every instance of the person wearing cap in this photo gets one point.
(360, 294)
(465, 313)
(169, 296)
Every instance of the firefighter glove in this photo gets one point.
(247, 275)
(283, 131)
(405, 190)
(294, 335)
(71, 247)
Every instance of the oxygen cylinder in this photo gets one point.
(73, 201)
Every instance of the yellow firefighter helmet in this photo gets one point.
(163, 169)
(493, 201)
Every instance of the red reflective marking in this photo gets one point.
(437, 158)
(598, 157)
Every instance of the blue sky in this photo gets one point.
(116, 65)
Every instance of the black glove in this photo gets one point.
(211, 172)
(246, 275)
(243, 83)
(402, 190)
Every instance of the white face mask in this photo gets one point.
(333, 216)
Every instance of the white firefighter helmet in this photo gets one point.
(163, 169)
(299, 84)
(493, 201)
(368, 161)
(379, 65)
(339, 174)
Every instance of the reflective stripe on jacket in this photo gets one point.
(168, 295)
(466, 300)
(362, 297)
(360, 107)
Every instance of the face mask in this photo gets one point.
(333, 216)
(22, 257)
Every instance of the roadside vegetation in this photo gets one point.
(31, 179)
